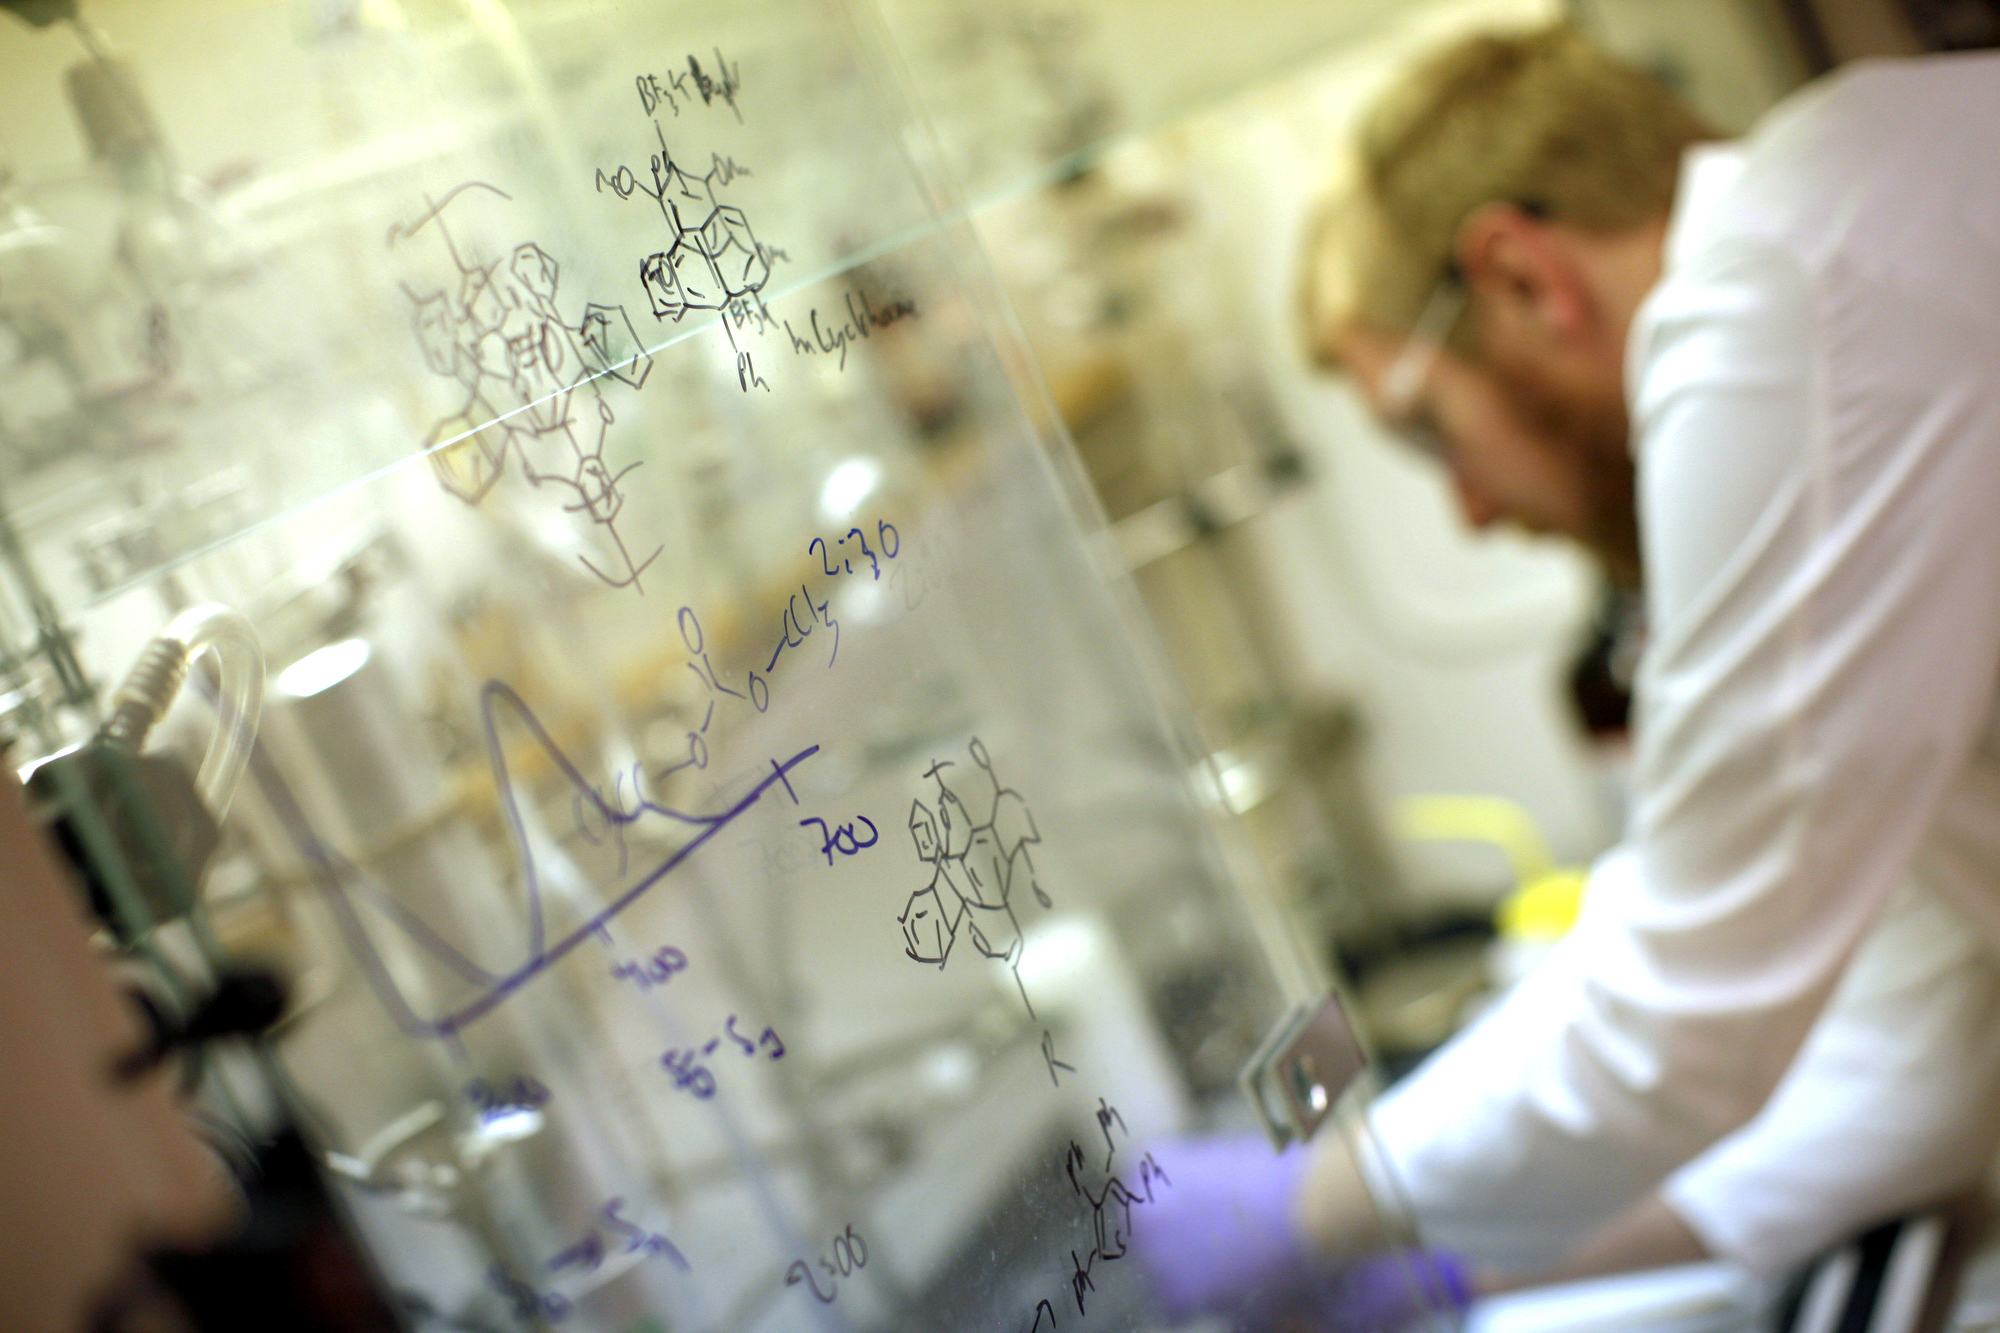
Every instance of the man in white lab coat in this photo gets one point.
(1767, 373)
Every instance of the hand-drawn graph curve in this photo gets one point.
(979, 865)
(532, 380)
(336, 876)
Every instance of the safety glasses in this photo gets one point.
(1405, 409)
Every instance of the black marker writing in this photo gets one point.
(850, 1256)
(1079, 1280)
(837, 334)
(714, 260)
(724, 86)
(1105, 1115)
(532, 381)
(1107, 1207)
(978, 866)
(749, 311)
(1049, 1055)
(678, 86)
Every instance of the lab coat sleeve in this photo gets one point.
(1887, 1107)
(1820, 503)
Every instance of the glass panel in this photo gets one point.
(1074, 78)
(664, 167)
(734, 868)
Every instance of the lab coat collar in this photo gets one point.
(1707, 172)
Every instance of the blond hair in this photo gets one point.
(1541, 119)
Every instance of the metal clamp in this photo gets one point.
(1300, 1072)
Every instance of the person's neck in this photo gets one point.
(1621, 268)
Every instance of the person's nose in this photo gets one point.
(1479, 509)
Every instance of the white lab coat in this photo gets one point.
(1815, 394)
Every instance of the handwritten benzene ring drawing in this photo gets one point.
(980, 866)
(532, 381)
(714, 258)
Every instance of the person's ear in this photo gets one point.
(1520, 274)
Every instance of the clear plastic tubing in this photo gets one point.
(161, 670)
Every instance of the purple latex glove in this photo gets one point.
(1219, 1234)
(1387, 1293)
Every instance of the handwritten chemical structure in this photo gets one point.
(849, 1256)
(800, 617)
(654, 971)
(843, 839)
(1049, 1058)
(838, 335)
(713, 259)
(978, 873)
(756, 691)
(689, 1075)
(533, 380)
(1107, 1206)
(979, 865)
